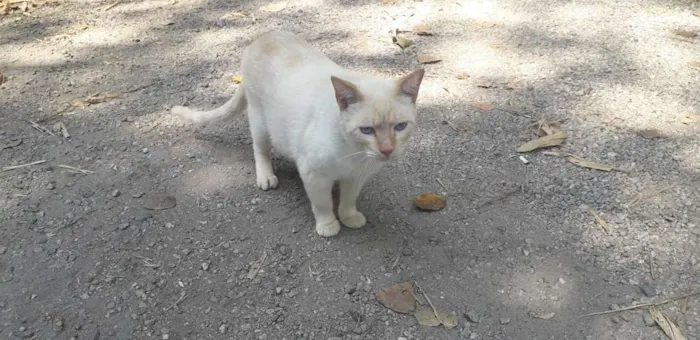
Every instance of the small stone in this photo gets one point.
(137, 195)
(473, 336)
(124, 226)
(3, 250)
(205, 266)
(402, 338)
(115, 193)
(278, 290)
(562, 281)
(649, 290)
(357, 330)
(615, 319)
(58, 325)
(648, 320)
(110, 305)
(222, 329)
(350, 289)
(292, 293)
(144, 150)
(472, 316)
(51, 186)
(245, 327)
(614, 306)
(505, 321)
(85, 296)
(406, 251)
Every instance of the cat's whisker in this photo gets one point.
(352, 154)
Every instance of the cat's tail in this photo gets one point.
(234, 105)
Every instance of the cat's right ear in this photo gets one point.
(346, 93)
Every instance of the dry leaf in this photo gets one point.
(545, 128)
(10, 144)
(422, 29)
(399, 297)
(428, 59)
(484, 83)
(237, 79)
(3, 79)
(544, 142)
(684, 33)
(496, 45)
(401, 41)
(430, 201)
(426, 317)
(650, 133)
(601, 222)
(545, 316)
(684, 305)
(158, 201)
(670, 328)
(690, 118)
(60, 127)
(588, 164)
(694, 64)
(462, 76)
(273, 7)
(482, 106)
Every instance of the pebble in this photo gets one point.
(205, 266)
(292, 293)
(3, 250)
(472, 316)
(85, 296)
(648, 320)
(278, 290)
(245, 327)
(406, 251)
(124, 226)
(649, 290)
(144, 150)
(222, 329)
(505, 321)
(473, 336)
(115, 193)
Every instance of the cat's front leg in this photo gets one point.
(347, 210)
(318, 189)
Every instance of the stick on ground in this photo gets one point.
(642, 305)
(437, 316)
(13, 167)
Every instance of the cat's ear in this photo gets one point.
(410, 84)
(346, 93)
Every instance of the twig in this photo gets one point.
(443, 186)
(112, 5)
(396, 262)
(599, 220)
(13, 167)
(256, 267)
(40, 128)
(642, 198)
(74, 169)
(182, 297)
(437, 316)
(642, 305)
(651, 266)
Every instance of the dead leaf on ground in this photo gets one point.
(95, 99)
(545, 316)
(273, 7)
(588, 164)
(422, 29)
(158, 201)
(484, 83)
(496, 46)
(430, 201)
(482, 106)
(237, 79)
(10, 144)
(599, 220)
(685, 33)
(544, 142)
(544, 128)
(426, 317)
(428, 59)
(670, 328)
(650, 133)
(463, 76)
(690, 118)
(684, 305)
(400, 297)
(3, 79)
(402, 41)
(694, 64)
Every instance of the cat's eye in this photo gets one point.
(400, 126)
(367, 130)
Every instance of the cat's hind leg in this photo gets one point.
(265, 176)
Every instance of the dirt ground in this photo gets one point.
(155, 230)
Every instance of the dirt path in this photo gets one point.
(82, 257)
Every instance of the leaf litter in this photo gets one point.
(430, 201)
(650, 134)
(670, 328)
(402, 42)
(428, 59)
(401, 298)
(555, 139)
(589, 164)
(599, 220)
(422, 29)
(95, 99)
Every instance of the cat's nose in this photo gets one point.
(386, 151)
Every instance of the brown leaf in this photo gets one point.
(588, 164)
(159, 201)
(544, 142)
(690, 118)
(237, 79)
(684, 305)
(426, 317)
(422, 29)
(684, 33)
(3, 79)
(544, 128)
(399, 297)
(430, 201)
(482, 106)
(694, 64)
(650, 133)
(273, 7)
(545, 316)
(462, 76)
(670, 328)
(428, 59)
(401, 41)
(601, 222)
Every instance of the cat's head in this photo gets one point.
(379, 118)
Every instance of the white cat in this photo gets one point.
(337, 125)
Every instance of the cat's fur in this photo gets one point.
(311, 110)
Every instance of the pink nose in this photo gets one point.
(386, 151)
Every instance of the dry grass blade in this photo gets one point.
(588, 164)
(75, 170)
(10, 144)
(40, 128)
(3, 79)
(13, 167)
(95, 99)
(114, 4)
(273, 7)
(641, 198)
(601, 222)
(435, 312)
(670, 328)
(642, 305)
(554, 139)
(256, 266)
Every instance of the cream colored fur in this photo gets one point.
(318, 114)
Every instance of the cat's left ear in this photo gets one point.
(346, 93)
(410, 84)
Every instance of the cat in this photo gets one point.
(336, 125)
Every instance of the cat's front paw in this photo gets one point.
(353, 220)
(328, 229)
(268, 181)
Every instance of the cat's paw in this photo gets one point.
(353, 220)
(328, 229)
(266, 182)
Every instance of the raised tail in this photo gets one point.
(234, 105)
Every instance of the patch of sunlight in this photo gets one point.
(106, 36)
(222, 176)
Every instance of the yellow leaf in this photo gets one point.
(401, 41)
(237, 79)
(462, 75)
(543, 142)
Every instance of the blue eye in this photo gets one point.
(400, 126)
(367, 130)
